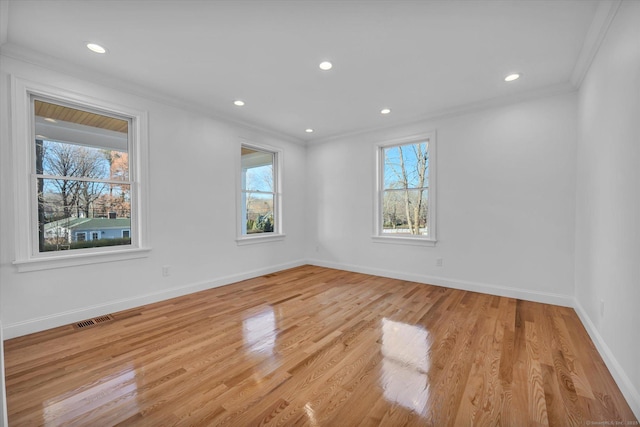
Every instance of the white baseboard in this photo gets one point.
(627, 388)
(503, 291)
(629, 391)
(17, 329)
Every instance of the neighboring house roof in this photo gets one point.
(90, 223)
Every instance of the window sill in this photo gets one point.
(61, 261)
(250, 240)
(398, 240)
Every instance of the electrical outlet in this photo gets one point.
(438, 262)
(166, 270)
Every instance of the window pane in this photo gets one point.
(259, 212)
(77, 143)
(59, 159)
(71, 211)
(405, 212)
(260, 179)
(406, 166)
(257, 170)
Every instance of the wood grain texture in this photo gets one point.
(81, 117)
(317, 347)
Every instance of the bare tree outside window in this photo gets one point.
(258, 191)
(405, 189)
(82, 172)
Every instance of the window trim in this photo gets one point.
(378, 236)
(27, 255)
(278, 162)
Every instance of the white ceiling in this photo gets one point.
(419, 58)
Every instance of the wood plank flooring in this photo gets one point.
(318, 347)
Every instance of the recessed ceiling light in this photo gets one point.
(96, 48)
(385, 111)
(308, 130)
(238, 103)
(50, 120)
(326, 66)
(512, 77)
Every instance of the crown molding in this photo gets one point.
(544, 92)
(11, 50)
(598, 29)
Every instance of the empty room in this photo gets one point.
(320, 212)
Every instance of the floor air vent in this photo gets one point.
(92, 322)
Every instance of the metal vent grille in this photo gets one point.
(102, 319)
(92, 322)
(85, 323)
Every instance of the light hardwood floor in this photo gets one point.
(318, 347)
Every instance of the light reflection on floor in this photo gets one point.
(259, 332)
(405, 365)
(311, 415)
(119, 384)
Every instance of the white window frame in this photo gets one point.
(27, 256)
(278, 161)
(97, 234)
(79, 233)
(378, 235)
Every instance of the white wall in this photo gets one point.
(506, 197)
(510, 210)
(607, 263)
(4, 132)
(192, 221)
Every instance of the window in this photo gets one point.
(81, 166)
(126, 234)
(84, 161)
(260, 217)
(405, 195)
